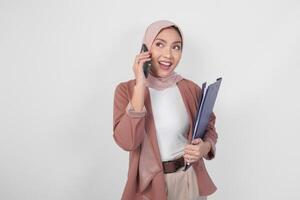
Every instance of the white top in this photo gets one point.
(171, 121)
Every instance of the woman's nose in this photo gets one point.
(167, 53)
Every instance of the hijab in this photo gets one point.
(152, 31)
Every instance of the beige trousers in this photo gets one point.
(183, 185)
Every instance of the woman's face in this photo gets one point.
(165, 52)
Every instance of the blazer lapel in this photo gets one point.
(150, 161)
(152, 129)
(186, 99)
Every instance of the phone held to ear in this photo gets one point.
(147, 64)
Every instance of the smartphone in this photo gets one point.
(147, 64)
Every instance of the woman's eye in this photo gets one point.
(177, 47)
(159, 44)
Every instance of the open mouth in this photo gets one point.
(164, 64)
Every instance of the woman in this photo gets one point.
(153, 119)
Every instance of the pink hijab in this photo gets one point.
(152, 31)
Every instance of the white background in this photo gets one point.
(60, 61)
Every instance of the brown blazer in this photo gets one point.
(135, 132)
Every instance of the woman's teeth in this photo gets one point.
(165, 65)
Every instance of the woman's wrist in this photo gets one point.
(208, 145)
(140, 86)
(137, 100)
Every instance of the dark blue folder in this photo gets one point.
(205, 108)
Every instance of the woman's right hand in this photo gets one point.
(140, 59)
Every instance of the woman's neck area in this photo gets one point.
(160, 83)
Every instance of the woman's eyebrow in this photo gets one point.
(166, 41)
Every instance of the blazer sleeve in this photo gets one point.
(210, 135)
(128, 124)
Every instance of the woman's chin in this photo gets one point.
(163, 72)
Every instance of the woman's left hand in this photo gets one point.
(193, 152)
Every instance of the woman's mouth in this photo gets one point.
(165, 65)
